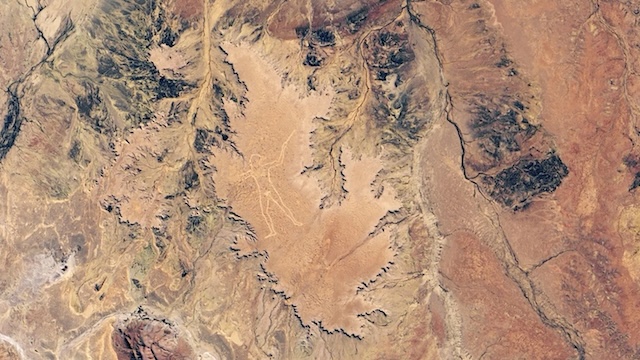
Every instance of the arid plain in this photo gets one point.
(199, 179)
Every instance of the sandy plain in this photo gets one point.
(190, 179)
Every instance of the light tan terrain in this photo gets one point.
(187, 179)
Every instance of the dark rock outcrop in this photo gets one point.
(146, 338)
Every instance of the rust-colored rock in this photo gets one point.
(145, 338)
(437, 179)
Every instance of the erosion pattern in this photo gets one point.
(187, 179)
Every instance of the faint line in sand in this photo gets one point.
(264, 171)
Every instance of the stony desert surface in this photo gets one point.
(375, 179)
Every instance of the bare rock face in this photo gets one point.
(145, 338)
(438, 179)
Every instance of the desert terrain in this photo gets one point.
(433, 179)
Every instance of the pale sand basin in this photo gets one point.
(169, 61)
(318, 256)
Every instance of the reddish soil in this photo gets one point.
(188, 9)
